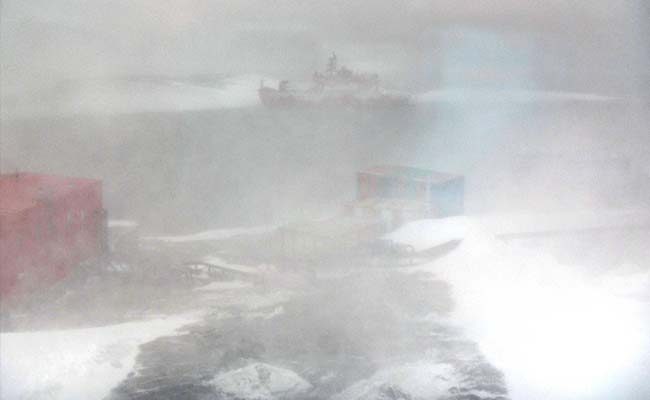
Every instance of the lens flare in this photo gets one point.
(567, 342)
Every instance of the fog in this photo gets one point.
(241, 260)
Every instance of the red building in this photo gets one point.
(48, 225)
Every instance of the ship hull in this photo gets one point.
(275, 98)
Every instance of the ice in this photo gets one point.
(461, 95)
(102, 97)
(76, 364)
(259, 381)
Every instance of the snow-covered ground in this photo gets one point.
(244, 269)
(88, 363)
(556, 332)
(225, 285)
(250, 302)
(429, 233)
(76, 364)
(255, 301)
(574, 220)
(216, 234)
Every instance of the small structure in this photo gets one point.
(48, 225)
(399, 193)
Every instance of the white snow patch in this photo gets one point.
(555, 332)
(574, 220)
(429, 233)
(246, 269)
(121, 223)
(419, 380)
(461, 95)
(259, 381)
(628, 280)
(216, 234)
(225, 285)
(266, 315)
(249, 301)
(78, 363)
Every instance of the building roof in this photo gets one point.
(411, 173)
(21, 191)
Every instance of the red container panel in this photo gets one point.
(48, 225)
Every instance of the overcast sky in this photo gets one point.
(579, 44)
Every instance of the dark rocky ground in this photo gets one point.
(333, 334)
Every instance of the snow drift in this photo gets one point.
(555, 331)
(75, 364)
(259, 381)
(416, 381)
(428, 233)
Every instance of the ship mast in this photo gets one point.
(332, 64)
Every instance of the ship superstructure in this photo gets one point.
(336, 86)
